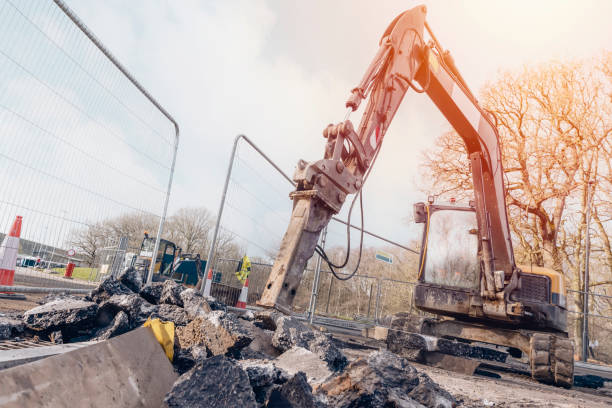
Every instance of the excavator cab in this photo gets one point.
(449, 274)
(449, 254)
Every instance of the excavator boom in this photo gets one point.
(402, 61)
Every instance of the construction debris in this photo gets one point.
(220, 332)
(299, 359)
(294, 393)
(108, 288)
(10, 327)
(215, 382)
(171, 293)
(152, 293)
(261, 359)
(194, 303)
(290, 333)
(125, 371)
(119, 325)
(131, 278)
(384, 379)
(172, 313)
(263, 376)
(61, 314)
(136, 308)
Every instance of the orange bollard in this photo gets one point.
(69, 270)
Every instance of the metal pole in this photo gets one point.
(331, 283)
(160, 227)
(211, 250)
(377, 301)
(315, 284)
(587, 254)
(370, 299)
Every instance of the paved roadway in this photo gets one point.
(34, 277)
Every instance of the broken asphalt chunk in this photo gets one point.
(171, 313)
(290, 333)
(215, 382)
(383, 379)
(119, 325)
(295, 393)
(131, 278)
(194, 303)
(10, 327)
(263, 375)
(136, 308)
(108, 288)
(171, 293)
(61, 313)
(152, 293)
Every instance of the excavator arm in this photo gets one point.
(403, 61)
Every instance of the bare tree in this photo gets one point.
(133, 226)
(190, 228)
(555, 124)
(88, 242)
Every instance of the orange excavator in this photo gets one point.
(467, 270)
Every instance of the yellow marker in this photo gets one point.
(164, 333)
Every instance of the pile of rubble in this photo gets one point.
(262, 359)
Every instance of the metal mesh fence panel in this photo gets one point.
(599, 325)
(85, 152)
(255, 214)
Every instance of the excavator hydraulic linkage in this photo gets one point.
(402, 60)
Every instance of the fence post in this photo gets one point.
(331, 283)
(119, 258)
(370, 299)
(312, 307)
(376, 311)
(211, 250)
(587, 253)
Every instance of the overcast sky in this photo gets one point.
(280, 71)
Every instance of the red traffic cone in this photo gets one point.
(8, 253)
(244, 293)
(208, 284)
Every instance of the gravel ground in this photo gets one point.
(511, 390)
(473, 391)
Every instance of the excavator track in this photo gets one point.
(550, 356)
(552, 359)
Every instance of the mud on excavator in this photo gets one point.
(467, 272)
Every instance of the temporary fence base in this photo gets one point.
(34, 289)
(12, 296)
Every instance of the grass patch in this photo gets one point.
(80, 273)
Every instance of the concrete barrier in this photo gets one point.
(130, 370)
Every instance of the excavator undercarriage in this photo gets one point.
(549, 356)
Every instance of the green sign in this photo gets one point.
(216, 277)
(383, 256)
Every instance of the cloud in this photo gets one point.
(279, 72)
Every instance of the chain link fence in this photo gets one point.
(81, 143)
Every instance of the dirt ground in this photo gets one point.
(510, 391)
(13, 305)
